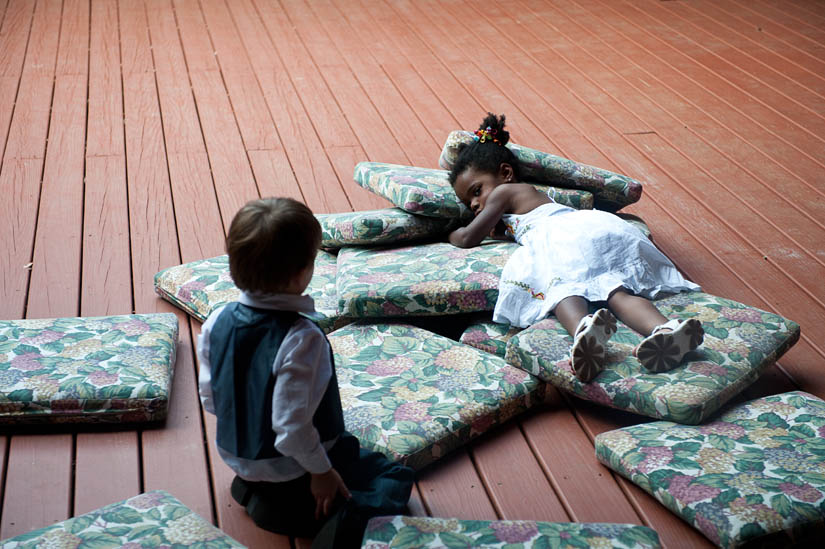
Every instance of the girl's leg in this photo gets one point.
(590, 334)
(638, 313)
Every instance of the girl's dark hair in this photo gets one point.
(270, 241)
(489, 155)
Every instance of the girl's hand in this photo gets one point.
(499, 232)
(325, 487)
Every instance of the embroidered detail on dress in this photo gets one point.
(526, 288)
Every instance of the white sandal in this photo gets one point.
(589, 349)
(664, 350)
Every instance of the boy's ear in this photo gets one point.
(506, 172)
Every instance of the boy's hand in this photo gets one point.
(325, 487)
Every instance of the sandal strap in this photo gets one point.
(583, 323)
(669, 325)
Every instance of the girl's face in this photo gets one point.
(474, 186)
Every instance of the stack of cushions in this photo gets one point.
(153, 519)
(740, 343)
(756, 473)
(414, 395)
(400, 531)
(612, 191)
(87, 370)
(377, 227)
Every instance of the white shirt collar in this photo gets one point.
(281, 302)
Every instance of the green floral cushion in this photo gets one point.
(414, 395)
(153, 519)
(488, 336)
(429, 279)
(375, 227)
(740, 343)
(107, 369)
(428, 192)
(755, 473)
(612, 191)
(401, 532)
(202, 286)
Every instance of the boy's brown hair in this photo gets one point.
(270, 241)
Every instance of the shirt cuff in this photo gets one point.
(315, 462)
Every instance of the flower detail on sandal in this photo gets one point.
(589, 344)
(664, 350)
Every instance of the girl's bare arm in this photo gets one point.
(483, 223)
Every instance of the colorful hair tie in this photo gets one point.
(483, 135)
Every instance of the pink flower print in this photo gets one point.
(146, 501)
(391, 309)
(625, 384)
(741, 315)
(185, 291)
(66, 406)
(595, 392)
(821, 431)
(412, 411)
(482, 424)
(723, 428)
(413, 206)
(514, 376)
(515, 531)
(27, 362)
(132, 327)
(390, 367)
(101, 378)
(475, 300)
(682, 488)
(486, 280)
(806, 492)
(377, 278)
(46, 336)
(655, 457)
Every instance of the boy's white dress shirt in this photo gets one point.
(303, 369)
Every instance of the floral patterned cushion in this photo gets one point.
(755, 473)
(401, 532)
(612, 191)
(429, 279)
(740, 343)
(153, 519)
(374, 227)
(428, 192)
(202, 286)
(414, 395)
(488, 336)
(87, 370)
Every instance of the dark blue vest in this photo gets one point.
(242, 348)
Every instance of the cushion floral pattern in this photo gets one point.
(375, 227)
(488, 336)
(87, 370)
(428, 279)
(428, 192)
(740, 343)
(414, 395)
(400, 532)
(202, 286)
(612, 191)
(755, 473)
(153, 519)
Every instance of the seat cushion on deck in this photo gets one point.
(202, 286)
(428, 279)
(409, 532)
(375, 227)
(755, 471)
(414, 395)
(611, 191)
(740, 343)
(488, 336)
(107, 369)
(153, 519)
(428, 192)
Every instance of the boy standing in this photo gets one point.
(267, 373)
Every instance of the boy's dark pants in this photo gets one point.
(378, 487)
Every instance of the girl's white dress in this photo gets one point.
(566, 252)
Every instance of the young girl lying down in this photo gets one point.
(567, 259)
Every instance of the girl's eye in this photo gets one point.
(476, 191)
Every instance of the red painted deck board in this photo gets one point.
(131, 131)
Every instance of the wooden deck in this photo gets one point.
(131, 131)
